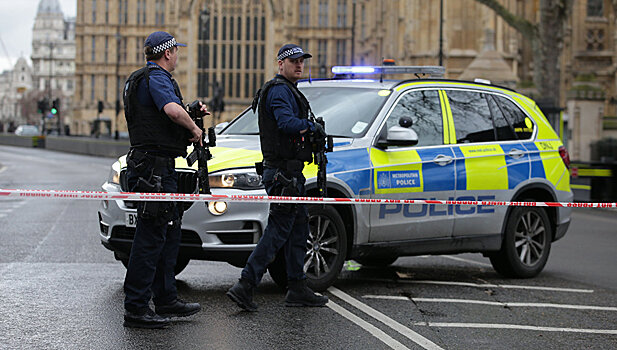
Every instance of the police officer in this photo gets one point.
(284, 132)
(160, 129)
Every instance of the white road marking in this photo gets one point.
(516, 326)
(469, 261)
(413, 336)
(494, 303)
(376, 332)
(488, 285)
(2, 168)
(2, 215)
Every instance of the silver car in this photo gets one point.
(410, 139)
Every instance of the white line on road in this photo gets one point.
(505, 286)
(469, 261)
(415, 337)
(494, 303)
(516, 326)
(376, 332)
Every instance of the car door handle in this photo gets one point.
(515, 153)
(442, 160)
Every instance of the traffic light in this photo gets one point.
(43, 105)
(100, 106)
(55, 106)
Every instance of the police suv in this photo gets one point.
(400, 139)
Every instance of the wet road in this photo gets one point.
(60, 289)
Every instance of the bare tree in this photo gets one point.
(546, 38)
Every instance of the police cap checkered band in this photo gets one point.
(164, 46)
(292, 51)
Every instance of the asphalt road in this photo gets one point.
(60, 289)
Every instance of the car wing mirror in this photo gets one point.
(398, 136)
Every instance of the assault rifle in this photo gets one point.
(321, 145)
(201, 152)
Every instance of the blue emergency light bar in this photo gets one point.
(434, 71)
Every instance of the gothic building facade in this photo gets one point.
(232, 46)
(53, 56)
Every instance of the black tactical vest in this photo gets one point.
(149, 128)
(276, 145)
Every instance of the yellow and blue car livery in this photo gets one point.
(465, 141)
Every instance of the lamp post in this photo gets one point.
(118, 86)
(441, 32)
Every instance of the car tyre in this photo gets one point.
(377, 261)
(326, 250)
(181, 264)
(526, 244)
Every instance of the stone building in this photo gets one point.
(14, 85)
(53, 56)
(232, 46)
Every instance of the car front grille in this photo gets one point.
(189, 238)
(187, 183)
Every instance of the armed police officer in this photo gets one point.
(160, 129)
(284, 135)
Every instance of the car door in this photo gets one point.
(422, 171)
(490, 159)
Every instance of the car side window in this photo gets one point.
(472, 116)
(503, 127)
(523, 127)
(424, 109)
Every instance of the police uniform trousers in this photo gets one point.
(286, 229)
(150, 272)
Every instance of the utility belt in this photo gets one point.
(291, 166)
(150, 170)
(287, 181)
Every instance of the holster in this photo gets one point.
(151, 170)
(286, 186)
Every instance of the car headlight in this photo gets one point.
(243, 179)
(114, 174)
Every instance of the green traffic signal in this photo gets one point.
(54, 111)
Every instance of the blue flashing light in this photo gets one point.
(434, 71)
(353, 70)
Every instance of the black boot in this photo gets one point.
(178, 308)
(242, 294)
(299, 294)
(145, 319)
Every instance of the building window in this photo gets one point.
(363, 19)
(159, 12)
(106, 48)
(341, 50)
(123, 12)
(141, 11)
(304, 13)
(92, 87)
(595, 8)
(341, 13)
(304, 44)
(322, 56)
(93, 11)
(323, 13)
(139, 49)
(93, 55)
(105, 88)
(106, 11)
(224, 28)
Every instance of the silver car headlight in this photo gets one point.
(114, 174)
(243, 179)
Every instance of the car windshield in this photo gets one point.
(347, 111)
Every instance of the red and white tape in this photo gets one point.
(133, 196)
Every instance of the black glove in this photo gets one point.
(319, 132)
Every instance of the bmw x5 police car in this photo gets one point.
(401, 139)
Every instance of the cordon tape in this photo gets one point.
(188, 197)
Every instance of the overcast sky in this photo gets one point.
(16, 22)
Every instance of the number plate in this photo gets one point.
(131, 219)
